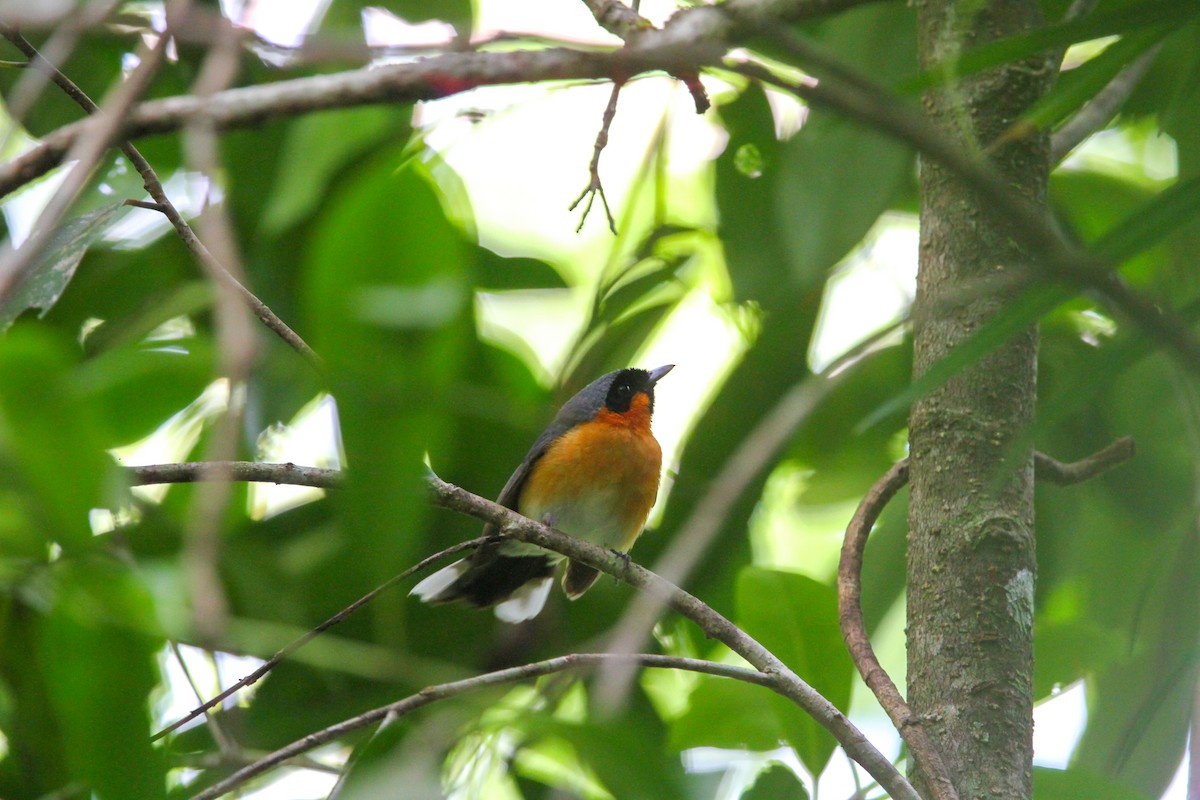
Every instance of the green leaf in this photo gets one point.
(499, 273)
(1078, 86)
(627, 753)
(388, 294)
(48, 276)
(1078, 784)
(754, 250)
(1108, 20)
(50, 439)
(789, 212)
(828, 196)
(776, 782)
(844, 462)
(795, 617)
(1067, 651)
(116, 384)
(733, 715)
(1150, 224)
(317, 149)
(97, 651)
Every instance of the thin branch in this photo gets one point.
(425, 79)
(296, 644)
(854, 630)
(1048, 470)
(1098, 111)
(162, 203)
(443, 691)
(249, 471)
(595, 187)
(714, 625)
(849, 584)
(511, 524)
(618, 19)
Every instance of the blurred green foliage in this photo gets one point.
(359, 237)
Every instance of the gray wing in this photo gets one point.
(580, 408)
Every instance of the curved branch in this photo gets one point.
(444, 690)
(849, 585)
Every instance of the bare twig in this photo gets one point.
(251, 471)
(1048, 470)
(1098, 111)
(295, 645)
(850, 617)
(162, 203)
(595, 187)
(618, 19)
(442, 691)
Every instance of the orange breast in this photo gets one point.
(599, 480)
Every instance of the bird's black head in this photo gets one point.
(628, 383)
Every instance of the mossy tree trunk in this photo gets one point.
(971, 566)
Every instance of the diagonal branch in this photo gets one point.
(782, 678)
(849, 584)
(1098, 111)
(714, 625)
(443, 691)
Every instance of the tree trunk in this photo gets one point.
(971, 564)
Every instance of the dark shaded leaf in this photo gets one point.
(497, 273)
(97, 649)
(317, 149)
(52, 441)
(44, 281)
(776, 782)
(393, 331)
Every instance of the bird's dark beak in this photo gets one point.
(657, 374)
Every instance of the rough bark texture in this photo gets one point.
(971, 561)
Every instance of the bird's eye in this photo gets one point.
(625, 390)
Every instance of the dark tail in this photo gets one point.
(578, 579)
(484, 579)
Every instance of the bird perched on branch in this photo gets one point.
(593, 473)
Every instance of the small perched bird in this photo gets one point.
(593, 473)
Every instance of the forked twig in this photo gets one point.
(595, 187)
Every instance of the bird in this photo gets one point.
(593, 473)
